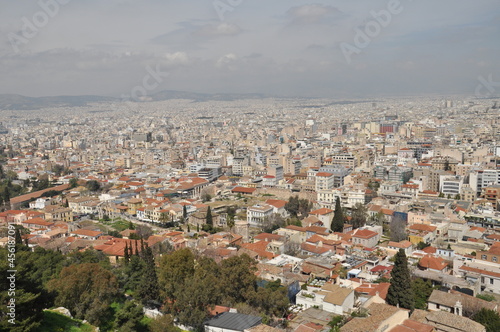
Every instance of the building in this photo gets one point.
(258, 214)
(232, 322)
(365, 238)
(330, 297)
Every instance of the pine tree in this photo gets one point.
(338, 218)
(400, 291)
(209, 220)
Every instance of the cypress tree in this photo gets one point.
(400, 292)
(184, 211)
(148, 289)
(18, 237)
(338, 218)
(209, 220)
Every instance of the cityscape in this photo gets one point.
(313, 167)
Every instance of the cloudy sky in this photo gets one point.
(336, 48)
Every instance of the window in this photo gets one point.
(483, 257)
(495, 258)
(491, 281)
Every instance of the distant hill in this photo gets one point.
(19, 102)
(172, 94)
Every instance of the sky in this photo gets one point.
(335, 49)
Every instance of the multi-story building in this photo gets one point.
(257, 214)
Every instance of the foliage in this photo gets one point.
(422, 245)
(34, 270)
(336, 323)
(209, 218)
(298, 207)
(400, 291)
(128, 318)
(86, 290)
(486, 297)
(338, 218)
(193, 284)
(489, 319)
(54, 322)
(421, 292)
(73, 183)
(93, 185)
(164, 323)
(148, 290)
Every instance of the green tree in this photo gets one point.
(293, 205)
(93, 185)
(422, 245)
(209, 219)
(421, 292)
(164, 323)
(238, 278)
(73, 183)
(34, 269)
(87, 290)
(148, 290)
(338, 218)
(128, 318)
(174, 269)
(400, 291)
(489, 319)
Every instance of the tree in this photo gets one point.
(205, 196)
(338, 218)
(128, 318)
(164, 323)
(73, 183)
(231, 213)
(34, 269)
(359, 215)
(148, 290)
(175, 268)
(489, 319)
(397, 229)
(292, 206)
(93, 185)
(87, 290)
(209, 219)
(421, 245)
(184, 212)
(400, 291)
(421, 292)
